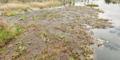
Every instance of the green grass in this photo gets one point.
(8, 35)
(9, 13)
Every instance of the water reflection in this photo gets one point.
(111, 50)
(112, 1)
(112, 31)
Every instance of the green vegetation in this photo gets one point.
(8, 35)
(23, 18)
(92, 5)
(9, 13)
(71, 58)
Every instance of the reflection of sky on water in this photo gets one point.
(112, 12)
(112, 49)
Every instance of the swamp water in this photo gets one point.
(111, 49)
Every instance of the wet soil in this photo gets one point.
(54, 34)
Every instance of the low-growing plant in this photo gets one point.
(71, 58)
(0, 51)
(33, 17)
(8, 35)
(23, 18)
(9, 13)
(7, 50)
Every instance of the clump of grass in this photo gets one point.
(14, 6)
(7, 35)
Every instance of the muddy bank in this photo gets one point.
(54, 34)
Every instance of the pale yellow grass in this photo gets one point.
(14, 6)
(38, 4)
(45, 4)
(25, 6)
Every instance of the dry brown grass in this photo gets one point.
(18, 6)
(14, 6)
(2, 24)
(38, 4)
(45, 4)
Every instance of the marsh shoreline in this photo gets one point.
(56, 34)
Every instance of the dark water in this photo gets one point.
(111, 50)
